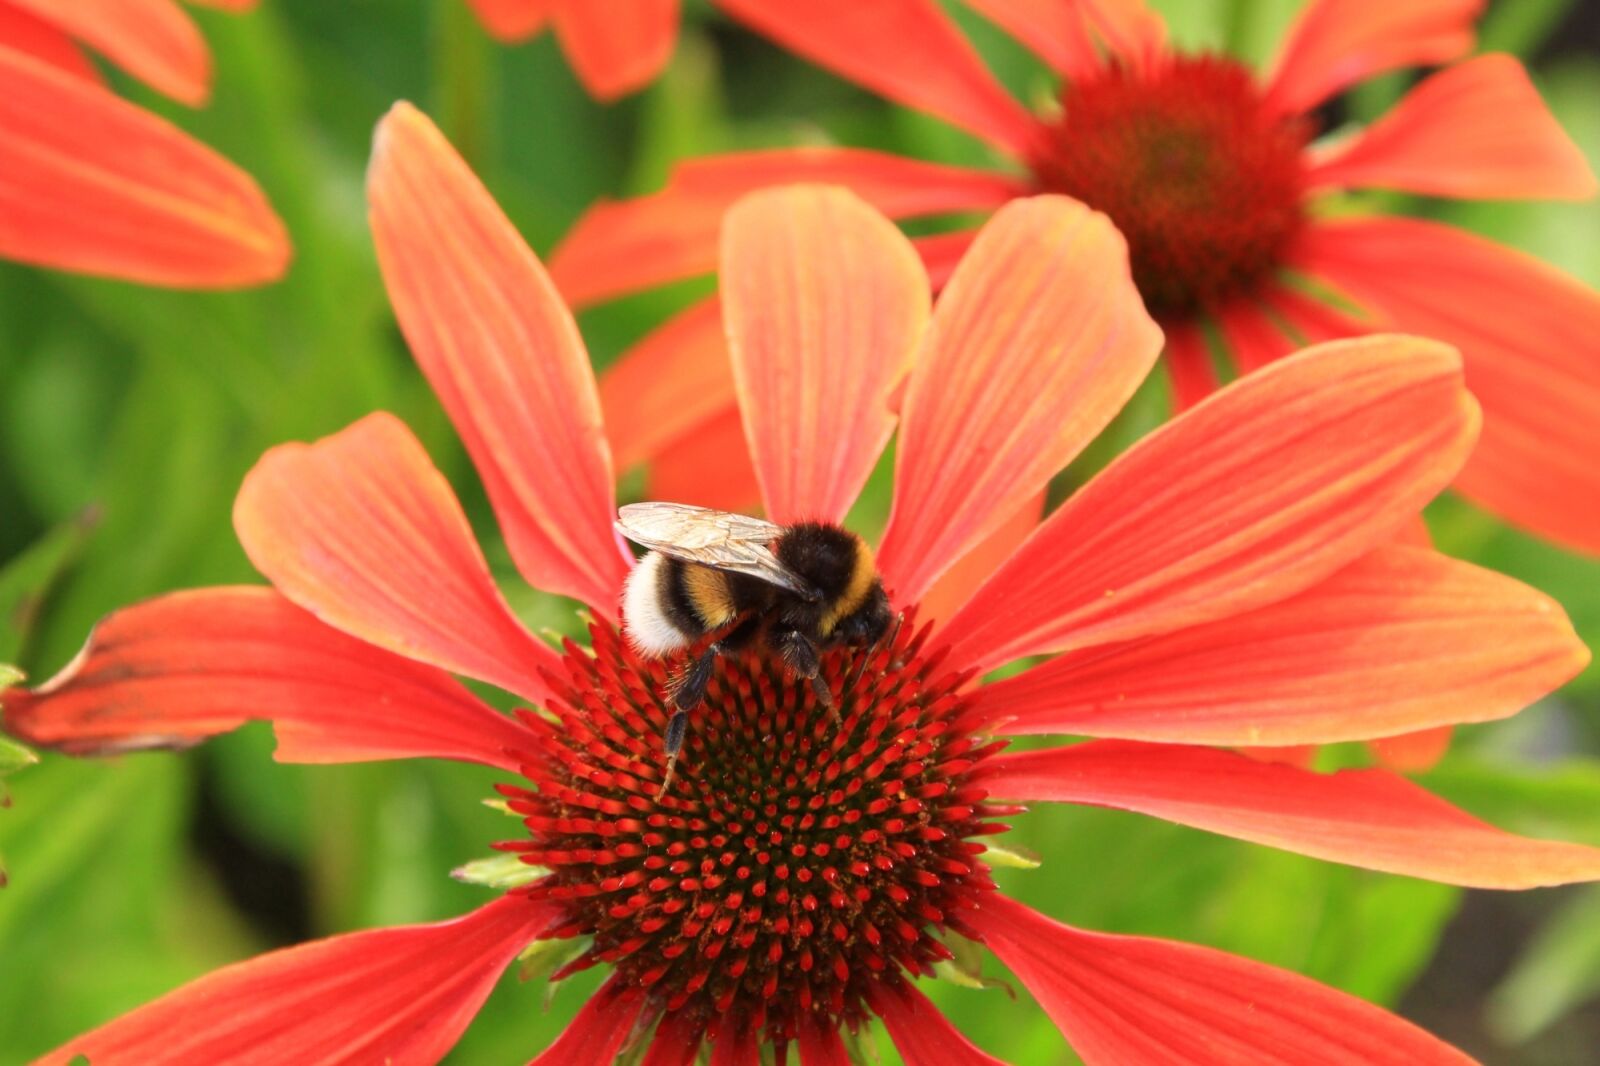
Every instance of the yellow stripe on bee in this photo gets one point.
(862, 575)
(708, 591)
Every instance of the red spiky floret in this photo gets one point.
(1204, 182)
(796, 861)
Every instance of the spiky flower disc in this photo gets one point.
(796, 862)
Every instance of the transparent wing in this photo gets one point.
(719, 539)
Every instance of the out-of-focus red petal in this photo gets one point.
(920, 1031)
(1054, 30)
(1124, 999)
(825, 302)
(737, 1044)
(1527, 337)
(1335, 43)
(175, 670)
(1038, 340)
(504, 355)
(89, 182)
(941, 252)
(401, 995)
(1311, 319)
(1268, 487)
(1302, 755)
(31, 35)
(957, 584)
(620, 247)
(1411, 753)
(906, 50)
(1400, 640)
(513, 20)
(709, 467)
(597, 1032)
(820, 1044)
(676, 379)
(1128, 29)
(1368, 818)
(1252, 338)
(361, 530)
(1188, 362)
(617, 48)
(153, 40)
(1476, 130)
(234, 7)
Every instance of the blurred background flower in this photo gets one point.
(127, 413)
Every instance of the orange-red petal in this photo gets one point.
(598, 1031)
(1527, 337)
(1401, 640)
(620, 247)
(1335, 43)
(820, 1044)
(906, 50)
(175, 670)
(1124, 999)
(1477, 130)
(513, 20)
(151, 39)
(616, 48)
(1252, 337)
(1037, 341)
(825, 302)
(89, 182)
(361, 530)
(919, 1029)
(504, 355)
(1259, 492)
(32, 35)
(709, 467)
(1411, 753)
(676, 379)
(1056, 32)
(399, 995)
(958, 583)
(1368, 818)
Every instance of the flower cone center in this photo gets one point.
(797, 857)
(1202, 180)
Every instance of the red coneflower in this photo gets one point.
(614, 46)
(1232, 580)
(92, 183)
(1212, 175)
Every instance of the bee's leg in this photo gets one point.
(677, 726)
(800, 655)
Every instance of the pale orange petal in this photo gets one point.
(503, 354)
(1258, 493)
(361, 530)
(825, 302)
(513, 20)
(1037, 341)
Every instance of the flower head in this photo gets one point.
(614, 46)
(804, 871)
(98, 185)
(1221, 185)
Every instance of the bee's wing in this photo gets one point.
(718, 539)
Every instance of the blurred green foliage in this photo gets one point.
(128, 417)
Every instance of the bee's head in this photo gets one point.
(867, 624)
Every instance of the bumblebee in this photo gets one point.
(798, 588)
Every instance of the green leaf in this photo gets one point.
(1014, 856)
(13, 756)
(26, 582)
(1557, 972)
